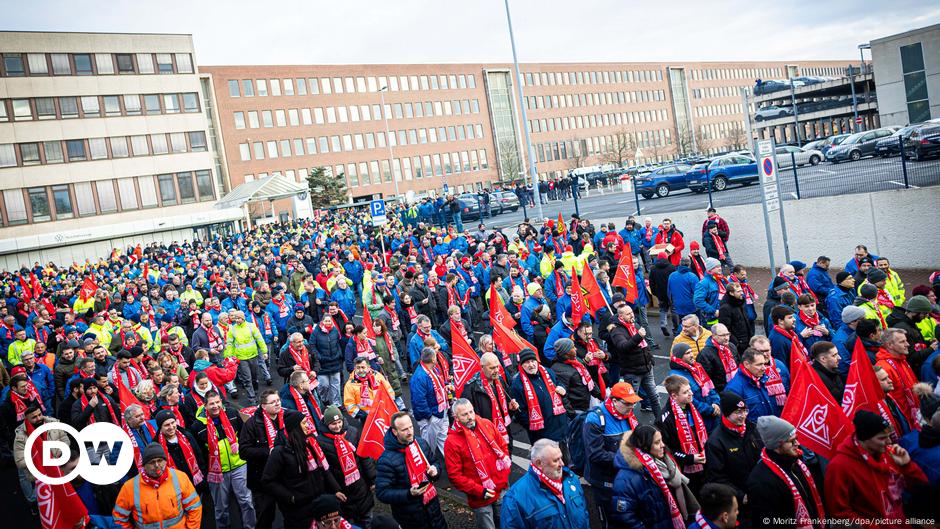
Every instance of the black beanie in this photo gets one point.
(293, 419)
(731, 402)
(842, 276)
(153, 451)
(868, 424)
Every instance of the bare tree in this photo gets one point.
(736, 137)
(685, 141)
(510, 163)
(577, 156)
(621, 148)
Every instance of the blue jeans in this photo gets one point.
(648, 384)
(328, 387)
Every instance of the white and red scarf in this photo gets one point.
(803, 519)
(440, 393)
(651, 467)
(720, 246)
(698, 373)
(749, 295)
(138, 450)
(582, 371)
(188, 454)
(367, 390)
(178, 353)
(598, 362)
(265, 322)
(364, 347)
(301, 356)
(282, 309)
(346, 453)
(20, 402)
(417, 465)
(270, 430)
(728, 362)
(302, 404)
(475, 439)
(499, 404)
(212, 437)
(91, 418)
(536, 417)
(630, 417)
(689, 443)
(554, 486)
(631, 328)
(794, 340)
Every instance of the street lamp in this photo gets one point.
(861, 55)
(388, 141)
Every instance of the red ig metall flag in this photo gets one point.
(626, 277)
(821, 425)
(372, 441)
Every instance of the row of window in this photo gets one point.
(717, 91)
(593, 99)
(73, 107)
(823, 70)
(307, 116)
(302, 86)
(350, 142)
(86, 199)
(45, 64)
(718, 110)
(711, 74)
(733, 131)
(596, 145)
(596, 120)
(79, 150)
(579, 78)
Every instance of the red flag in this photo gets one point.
(367, 324)
(89, 287)
(820, 423)
(36, 285)
(126, 397)
(60, 507)
(577, 300)
(372, 440)
(862, 389)
(27, 292)
(138, 252)
(562, 229)
(464, 359)
(498, 312)
(509, 340)
(592, 291)
(626, 277)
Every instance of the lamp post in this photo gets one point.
(525, 119)
(861, 55)
(388, 141)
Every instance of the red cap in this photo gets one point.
(464, 260)
(624, 391)
(694, 245)
(569, 248)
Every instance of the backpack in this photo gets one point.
(574, 436)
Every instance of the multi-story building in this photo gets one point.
(459, 125)
(907, 75)
(104, 143)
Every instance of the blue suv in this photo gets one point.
(725, 170)
(663, 181)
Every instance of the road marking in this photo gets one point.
(794, 195)
(902, 184)
(827, 171)
(521, 461)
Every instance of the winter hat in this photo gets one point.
(563, 346)
(89, 341)
(162, 416)
(712, 263)
(694, 246)
(868, 424)
(711, 224)
(778, 283)
(293, 419)
(330, 414)
(929, 404)
(325, 505)
(617, 298)
(918, 304)
(868, 291)
(526, 355)
(852, 313)
(842, 276)
(730, 403)
(533, 287)
(680, 349)
(875, 275)
(298, 307)
(774, 431)
(797, 265)
(166, 318)
(153, 451)
(72, 344)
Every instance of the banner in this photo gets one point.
(820, 423)
(372, 440)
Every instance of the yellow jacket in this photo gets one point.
(245, 342)
(696, 345)
(191, 294)
(547, 266)
(173, 505)
(895, 287)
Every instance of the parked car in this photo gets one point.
(724, 171)
(858, 145)
(833, 141)
(772, 112)
(469, 206)
(787, 154)
(698, 172)
(891, 145)
(663, 181)
(817, 145)
(923, 142)
(507, 200)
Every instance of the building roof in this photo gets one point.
(265, 189)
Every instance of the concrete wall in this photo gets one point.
(889, 81)
(901, 225)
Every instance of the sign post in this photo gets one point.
(377, 209)
(769, 196)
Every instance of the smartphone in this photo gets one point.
(424, 483)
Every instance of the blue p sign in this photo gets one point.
(378, 208)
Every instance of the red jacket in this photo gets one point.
(722, 227)
(903, 379)
(219, 376)
(860, 488)
(674, 238)
(463, 473)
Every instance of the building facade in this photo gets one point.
(907, 75)
(103, 144)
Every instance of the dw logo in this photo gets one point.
(106, 453)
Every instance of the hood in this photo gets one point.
(682, 269)
(664, 263)
(626, 459)
(201, 364)
(391, 443)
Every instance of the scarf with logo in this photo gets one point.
(176, 414)
(499, 404)
(212, 437)
(367, 389)
(536, 418)
(440, 392)
(282, 309)
(475, 438)
(727, 360)
(698, 373)
(803, 520)
(302, 404)
(269, 428)
(417, 465)
(719, 245)
(554, 486)
(689, 443)
(300, 355)
(749, 295)
(265, 322)
(596, 361)
(585, 375)
(157, 481)
(631, 328)
(630, 417)
(188, 455)
(657, 476)
(138, 455)
(346, 453)
(91, 418)
(774, 382)
(20, 402)
(364, 347)
(794, 339)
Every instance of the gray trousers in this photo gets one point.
(487, 517)
(248, 375)
(434, 431)
(328, 387)
(234, 483)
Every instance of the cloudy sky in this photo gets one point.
(425, 31)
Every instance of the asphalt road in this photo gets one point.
(825, 179)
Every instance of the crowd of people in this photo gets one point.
(252, 372)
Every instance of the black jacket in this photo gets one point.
(392, 486)
(626, 350)
(729, 458)
(474, 392)
(179, 459)
(769, 496)
(358, 493)
(293, 486)
(286, 362)
(832, 380)
(81, 416)
(711, 361)
(732, 313)
(669, 428)
(253, 446)
(577, 396)
(659, 281)
(329, 350)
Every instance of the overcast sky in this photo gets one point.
(427, 31)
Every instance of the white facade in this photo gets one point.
(103, 138)
(902, 83)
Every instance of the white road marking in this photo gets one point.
(902, 184)
(827, 171)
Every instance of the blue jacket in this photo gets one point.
(170, 307)
(632, 237)
(759, 402)
(530, 306)
(927, 373)
(423, 401)
(239, 303)
(681, 289)
(550, 287)
(561, 306)
(652, 239)
(852, 266)
(841, 339)
(811, 339)
(819, 281)
(706, 299)
(354, 271)
(559, 331)
(329, 350)
(836, 300)
(927, 458)
(702, 403)
(509, 282)
(274, 311)
(45, 384)
(555, 425)
(392, 484)
(131, 310)
(416, 344)
(780, 346)
(346, 299)
(602, 433)
(636, 501)
(529, 505)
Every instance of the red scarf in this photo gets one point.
(442, 367)
(282, 309)
(774, 383)
(499, 405)
(269, 429)
(346, 453)
(597, 362)
(554, 486)
(176, 414)
(326, 324)
(20, 403)
(690, 444)
(302, 404)
(727, 360)
(475, 439)
(215, 460)
(749, 295)
(631, 328)
(216, 343)
(536, 419)
(698, 374)
(188, 455)
(91, 418)
(392, 315)
(458, 326)
(138, 455)
(907, 379)
(649, 233)
(885, 465)
(154, 482)
(585, 376)
(794, 340)
(364, 347)
(417, 465)
(721, 282)
(301, 356)
(133, 377)
(651, 467)
(740, 430)
(266, 322)
(178, 353)
(367, 389)
(559, 284)
(719, 245)
(440, 394)
(803, 520)
(315, 455)
(884, 298)
(630, 417)
(698, 266)
(412, 313)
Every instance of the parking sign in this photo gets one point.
(377, 208)
(768, 174)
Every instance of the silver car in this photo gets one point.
(787, 154)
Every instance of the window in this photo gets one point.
(128, 194)
(253, 119)
(90, 106)
(301, 86)
(184, 63)
(330, 115)
(266, 119)
(83, 64)
(298, 147)
(347, 142)
(152, 103)
(167, 189)
(204, 186)
(63, 202)
(187, 191)
(311, 145)
(37, 64)
(280, 118)
(76, 150)
(53, 152)
(248, 88)
(22, 110)
(190, 102)
(324, 145)
(318, 116)
(29, 153)
(112, 105)
(244, 152)
(258, 149)
(165, 63)
(288, 86)
(178, 142)
(39, 204)
(139, 146)
(119, 147)
(61, 64)
(334, 144)
(171, 102)
(13, 65)
(272, 149)
(158, 142)
(285, 148)
(3, 111)
(305, 116)
(104, 63)
(132, 105)
(15, 206)
(145, 63)
(262, 86)
(239, 120)
(125, 63)
(233, 88)
(148, 191)
(98, 148)
(915, 82)
(292, 117)
(314, 85)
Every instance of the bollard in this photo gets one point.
(796, 179)
(903, 162)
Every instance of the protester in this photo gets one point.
(354, 474)
(548, 496)
(158, 495)
(541, 410)
(733, 447)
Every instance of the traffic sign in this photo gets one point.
(377, 208)
(446, 188)
(858, 120)
(768, 174)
